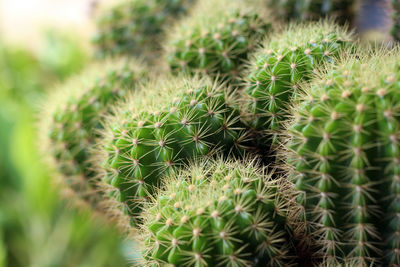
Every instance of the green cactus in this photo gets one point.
(396, 20)
(159, 128)
(285, 62)
(341, 10)
(345, 152)
(135, 27)
(221, 213)
(217, 38)
(72, 119)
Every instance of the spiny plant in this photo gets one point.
(345, 152)
(221, 213)
(282, 64)
(135, 27)
(160, 127)
(217, 38)
(73, 114)
(341, 10)
(396, 20)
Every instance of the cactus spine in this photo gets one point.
(161, 127)
(217, 38)
(345, 153)
(283, 63)
(224, 213)
(73, 116)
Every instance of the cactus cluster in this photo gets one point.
(218, 38)
(74, 119)
(341, 10)
(135, 27)
(285, 62)
(345, 153)
(162, 126)
(221, 213)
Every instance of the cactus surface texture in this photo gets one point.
(162, 126)
(74, 115)
(217, 38)
(341, 10)
(135, 27)
(221, 213)
(285, 62)
(345, 151)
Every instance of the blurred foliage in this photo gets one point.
(37, 227)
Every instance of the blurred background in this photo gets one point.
(42, 42)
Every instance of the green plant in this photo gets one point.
(159, 128)
(396, 20)
(221, 213)
(345, 151)
(217, 38)
(282, 64)
(341, 10)
(135, 27)
(73, 116)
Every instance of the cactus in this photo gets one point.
(159, 128)
(342, 10)
(217, 38)
(72, 119)
(221, 213)
(283, 63)
(135, 27)
(345, 152)
(396, 20)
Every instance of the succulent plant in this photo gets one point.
(217, 38)
(73, 119)
(159, 128)
(221, 213)
(342, 10)
(135, 27)
(344, 148)
(282, 64)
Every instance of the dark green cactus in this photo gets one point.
(345, 151)
(396, 20)
(135, 27)
(285, 62)
(159, 129)
(217, 38)
(342, 10)
(74, 116)
(221, 213)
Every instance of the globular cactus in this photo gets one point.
(135, 27)
(159, 128)
(72, 119)
(345, 152)
(217, 38)
(396, 20)
(222, 213)
(284, 62)
(342, 10)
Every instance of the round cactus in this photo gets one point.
(217, 38)
(73, 116)
(159, 128)
(345, 151)
(283, 63)
(341, 10)
(135, 27)
(221, 213)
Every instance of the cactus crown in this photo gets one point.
(345, 153)
(220, 212)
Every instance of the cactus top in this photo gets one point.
(227, 213)
(345, 151)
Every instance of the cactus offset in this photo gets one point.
(161, 127)
(73, 116)
(217, 38)
(283, 64)
(135, 27)
(345, 152)
(227, 213)
(342, 10)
